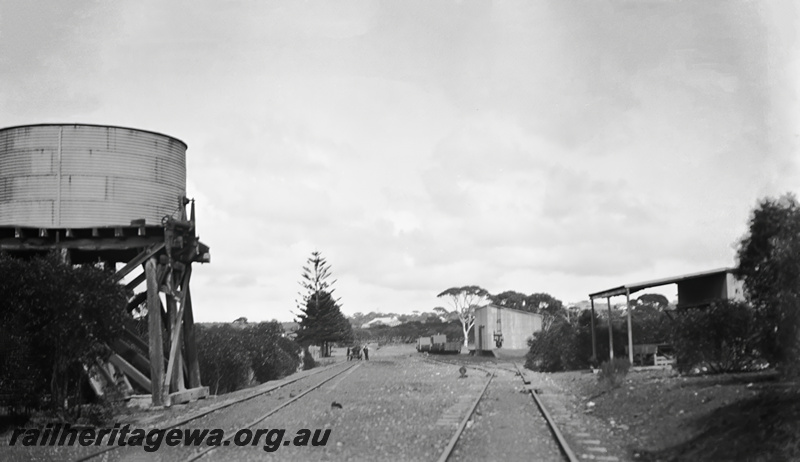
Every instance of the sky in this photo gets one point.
(557, 146)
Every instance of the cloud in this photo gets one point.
(537, 146)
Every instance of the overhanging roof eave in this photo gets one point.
(609, 293)
(635, 287)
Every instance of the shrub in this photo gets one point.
(308, 360)
(232, 357)
(613, 372)
(56, 320)
(584, 338)
(568, 345)
(722, 338)
(224, 362)
(272, 356)
(553, 349)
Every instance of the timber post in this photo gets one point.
(630, 328)
(610, 331)
(154, 334)
(594, 341)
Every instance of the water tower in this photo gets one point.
(113, 195)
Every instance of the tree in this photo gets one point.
(651, 321)
(465, 300)
(544, 303)
(315, 278)
(321, 320)
(322, 323)
(655, 302)
(447, 315)
(433, 319)
(548, 306)
(510, 299)
(770, 268)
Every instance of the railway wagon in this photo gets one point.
(424, 344)
(438, 344)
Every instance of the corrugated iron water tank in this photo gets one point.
(81, 176)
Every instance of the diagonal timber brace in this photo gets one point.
(138, 260)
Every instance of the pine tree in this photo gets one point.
(321, 320)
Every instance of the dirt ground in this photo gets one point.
(661, 416)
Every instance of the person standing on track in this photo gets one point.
(366, 352)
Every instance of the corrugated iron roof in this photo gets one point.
(635, 287)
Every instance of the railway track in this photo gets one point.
(328, 374)
(272, 411)
(459, 431)
(448, 450)
(492, 368)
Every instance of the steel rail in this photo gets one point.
(232, 434)
(562, 442)
(452, 444)
(220, 407)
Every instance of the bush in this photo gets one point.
(272, 356)
(223, 359)
(234, 357)
(568, 345)
(56, 320)
(721, 338)
(613, 372)
(308, 360)
(554, 349)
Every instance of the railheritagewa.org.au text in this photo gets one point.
(151, 440)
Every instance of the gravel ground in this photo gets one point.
(390, 410)
(589, 437)
(508, 426)
(228, 418)
(395, 407)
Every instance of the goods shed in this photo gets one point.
(694, 290)
(499, 327)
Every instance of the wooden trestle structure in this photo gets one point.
(163, 255)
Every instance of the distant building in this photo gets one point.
(385, 321)
(499, 327)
